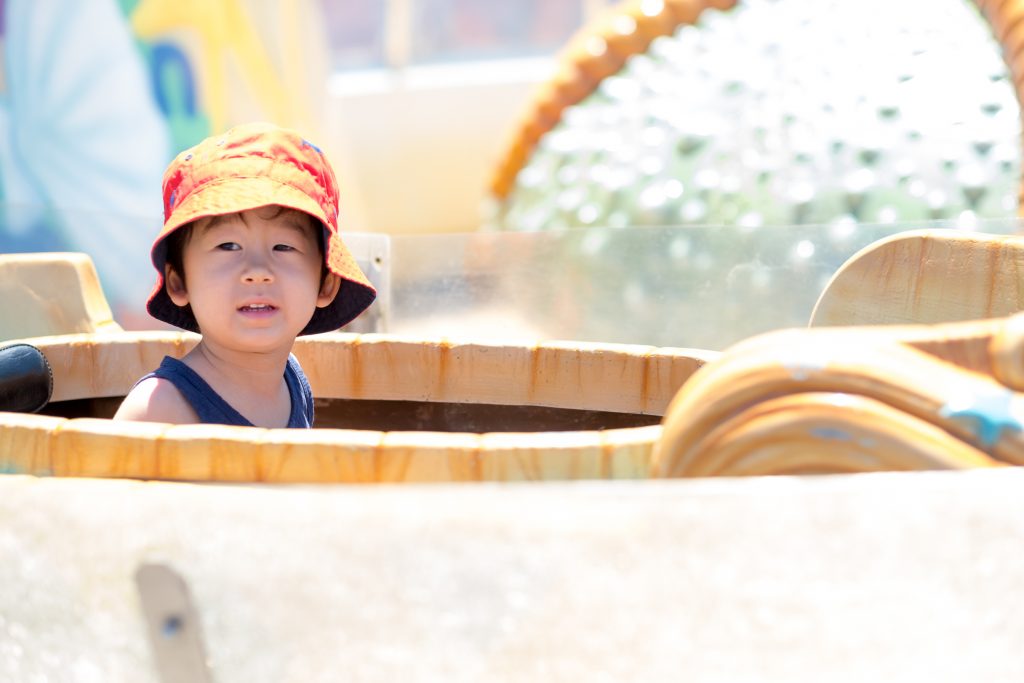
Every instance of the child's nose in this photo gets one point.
(257, 270)
(260, 275)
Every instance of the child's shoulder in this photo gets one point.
(156, 400)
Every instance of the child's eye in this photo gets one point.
(283, 247)
(228, 246)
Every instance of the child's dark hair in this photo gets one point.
(177, 240)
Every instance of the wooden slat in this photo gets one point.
(586, 376)
(816, 433)
(926, 276)
(87, 447)
(51, 293)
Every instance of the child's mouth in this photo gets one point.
(258, 308)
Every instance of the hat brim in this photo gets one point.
(235, 194)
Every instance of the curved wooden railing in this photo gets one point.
(852, 399)
(602, 377)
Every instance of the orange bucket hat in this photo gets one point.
(250, 166)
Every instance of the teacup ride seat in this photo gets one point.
(394, 409)
(388, 409)
(573, 392)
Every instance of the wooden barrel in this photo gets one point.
(354, 378)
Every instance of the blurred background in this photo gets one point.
(704, 192)
(410, 99)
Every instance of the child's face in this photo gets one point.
(252, 278)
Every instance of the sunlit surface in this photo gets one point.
(765, 579)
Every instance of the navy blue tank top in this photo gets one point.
(212, 409)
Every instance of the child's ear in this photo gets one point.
(328, 290)
(175, 286)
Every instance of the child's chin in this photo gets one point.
(254, 341)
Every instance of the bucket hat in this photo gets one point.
(249, 166)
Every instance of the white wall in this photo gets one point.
(414, 149)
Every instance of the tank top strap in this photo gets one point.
(301, 395)
(208, 404)
(211, 408)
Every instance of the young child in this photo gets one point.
(250, 257)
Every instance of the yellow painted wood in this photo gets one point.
(921, 375)
(57, 293)
(26, 442)
(86, 447)
(583, 376)
(1006, 349)
(926, 276)
(588, 376)
(815, 433)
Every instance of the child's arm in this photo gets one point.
(156, 400)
